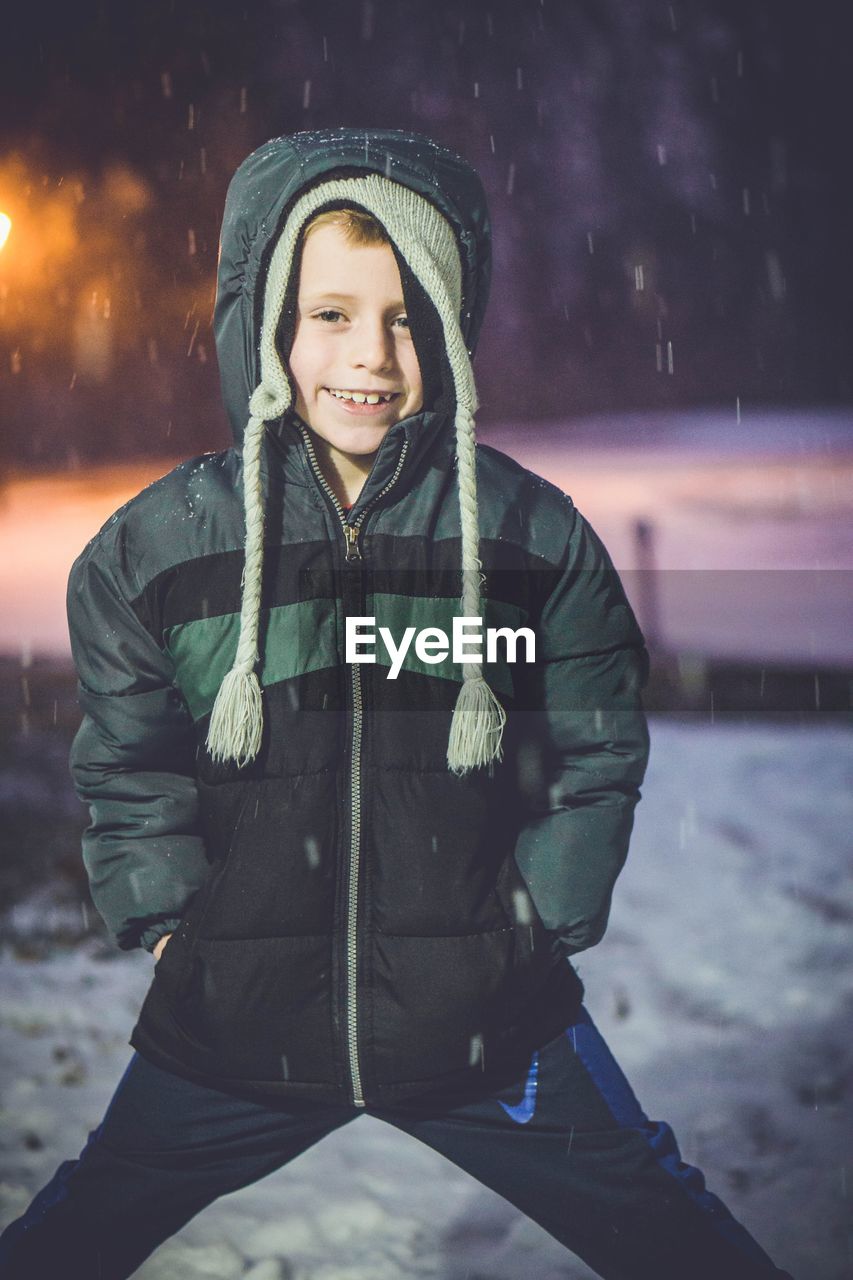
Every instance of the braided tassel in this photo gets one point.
(236, 722)
(476, 728)
(478, 720)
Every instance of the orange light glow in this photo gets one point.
(5, 228)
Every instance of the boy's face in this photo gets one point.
(352, 336)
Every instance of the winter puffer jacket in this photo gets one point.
(351, 921)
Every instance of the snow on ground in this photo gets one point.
(724, 987)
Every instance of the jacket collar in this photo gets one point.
(425, 435)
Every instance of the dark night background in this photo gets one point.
(669, 186)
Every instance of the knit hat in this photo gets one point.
(425, 240)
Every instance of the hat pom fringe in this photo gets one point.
(477, 727)
(236, 722)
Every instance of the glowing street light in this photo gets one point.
(5, 228)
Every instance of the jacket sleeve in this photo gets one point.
(586, 746)
(132, 760)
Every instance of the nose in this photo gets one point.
(372, 345)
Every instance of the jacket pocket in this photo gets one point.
(538, 946)
(173, 967)
(515, 898)
(213, 886)
(159, 959)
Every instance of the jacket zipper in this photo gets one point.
(353, 553)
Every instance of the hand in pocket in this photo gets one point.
(160, 946)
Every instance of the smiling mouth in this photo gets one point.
(362, 397)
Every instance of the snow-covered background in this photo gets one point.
(724, 986)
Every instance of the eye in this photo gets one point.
(403, 320)
(328, 315)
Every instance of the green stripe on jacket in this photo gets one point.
(300, 638)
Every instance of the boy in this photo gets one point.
(362, 873)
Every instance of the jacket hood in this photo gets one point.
(433, 208)
(264, 189)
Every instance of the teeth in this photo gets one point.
(359, 398)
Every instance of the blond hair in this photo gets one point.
(359, 226)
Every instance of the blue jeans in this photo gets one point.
(567, 1143)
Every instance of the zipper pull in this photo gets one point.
(351, 536)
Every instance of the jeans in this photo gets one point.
(567, 1143)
